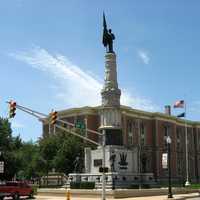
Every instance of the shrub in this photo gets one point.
(82, 185)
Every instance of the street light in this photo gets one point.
(187, 183)
(168, 139)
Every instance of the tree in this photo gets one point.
(70, 149)
(6, 144)
(5, 135)
(25, 156)
(62, 151)
(17, 155)
(26, 160)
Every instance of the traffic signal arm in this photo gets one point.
(76, 134)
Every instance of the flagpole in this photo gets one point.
(187, 183)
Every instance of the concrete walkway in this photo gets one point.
(191, 196)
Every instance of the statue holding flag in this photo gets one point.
(108, 37)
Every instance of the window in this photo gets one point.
(97, 162)
(166, 133)
(130, 132)
(142, 134)
(189, 138)
(178, 138)
(199, 138)
(179, 165)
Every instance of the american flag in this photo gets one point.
(179, 104)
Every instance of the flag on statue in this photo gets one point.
(105, 31)
(179, 104)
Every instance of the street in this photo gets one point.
(193, 196)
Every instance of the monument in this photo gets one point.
(110, 114)
(122, 163)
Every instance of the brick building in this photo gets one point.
(148, 131)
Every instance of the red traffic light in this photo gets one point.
(12, 109)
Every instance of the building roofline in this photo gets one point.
(93, 110)
(158, 115)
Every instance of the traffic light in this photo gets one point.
(53, 117)
(12, 109)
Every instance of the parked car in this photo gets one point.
(15, 189)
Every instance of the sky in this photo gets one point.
(51, 55)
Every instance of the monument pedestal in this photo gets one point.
(122, 166)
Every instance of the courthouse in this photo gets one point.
(131, 130)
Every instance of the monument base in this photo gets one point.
(122, 164)
(114, 180)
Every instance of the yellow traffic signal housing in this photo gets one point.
(12, 109)
(54, 116)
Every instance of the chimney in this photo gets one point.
(168, 110)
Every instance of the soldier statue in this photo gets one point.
(108, 37)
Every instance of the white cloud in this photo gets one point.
(16, 124)
(144, 56)
(76, 87)
(138, 102)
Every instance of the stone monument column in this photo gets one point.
(110, 113)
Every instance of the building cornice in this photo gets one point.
(128, 111)
(79, 111)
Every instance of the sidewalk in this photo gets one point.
(191, 196)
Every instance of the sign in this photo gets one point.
(123, 161)
(164, 161)
(1, 167)
(97, 162)
(80, 125)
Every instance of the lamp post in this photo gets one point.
(103, 165)
(169, 167)
(187, 183)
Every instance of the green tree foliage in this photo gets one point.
(69, 157)
(17, 155)
(25, 156)
(5, 135)
(25, 160)
(6, 146)
(63, 152)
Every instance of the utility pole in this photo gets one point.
(103, 165)
(169, 167)
(139, 154)
(187, 183)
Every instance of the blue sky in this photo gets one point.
(51, 56)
